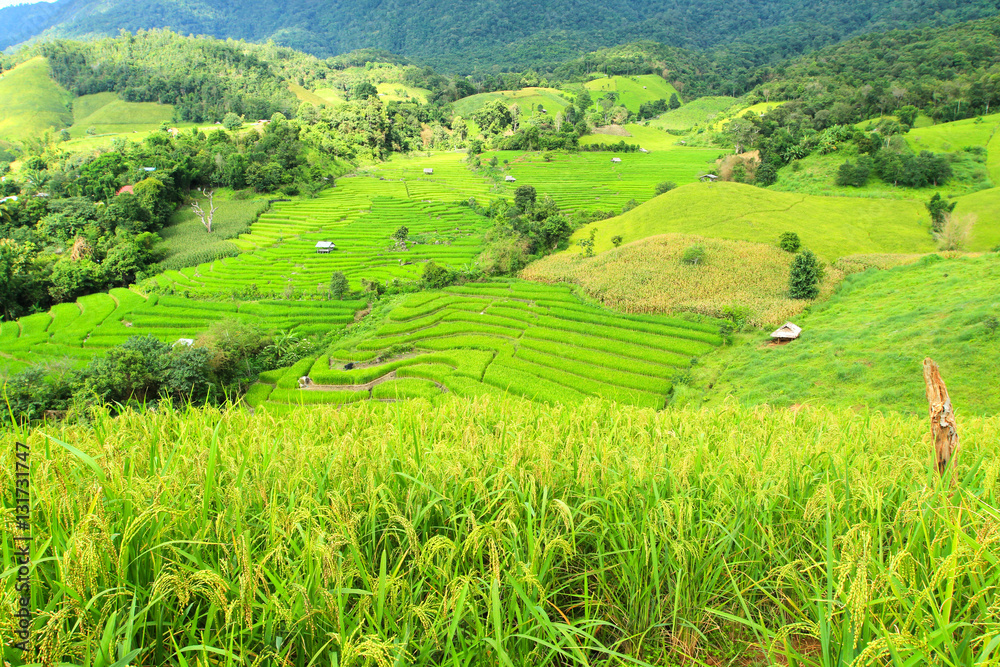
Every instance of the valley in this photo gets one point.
(339, 359)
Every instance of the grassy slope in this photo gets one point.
(305, 95)
(701, 111)
(865, 346)
(633, 90)
(817, 174)
(649, 138)
(31, 102)
(526, 98)
(113, 115)
(831, 226)
(398, 92)
(950, 137)
(330, 96)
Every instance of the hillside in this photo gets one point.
(830, 226)
(31, 102)
(528, 99)
(469, 35)
(632, 91)
(865, 345)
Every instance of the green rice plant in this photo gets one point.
(406, 389)
(290, 378)
(315, 397)
(258, 393)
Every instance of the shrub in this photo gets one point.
(665, 186)
(338, 285)
(694, 255)
(790, 242)
(616, 240)
(806, 272)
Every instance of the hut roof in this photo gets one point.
(325, 244)
(616, 159)
(126, 190)
(787, 331)
(509, 178)
(187, 342)
(428, 171)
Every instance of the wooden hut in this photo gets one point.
(509, 178)
(324, 247)
(711, 178)
(616, 160)
(787, 332)
(428, 171)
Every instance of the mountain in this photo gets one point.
(466, 35)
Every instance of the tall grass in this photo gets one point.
(496, 532)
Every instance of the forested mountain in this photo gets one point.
(481, 34)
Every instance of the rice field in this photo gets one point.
(745, 280)
(696, 113)
(527, 99)
(493, 532)
(73, 333)
(537, 341)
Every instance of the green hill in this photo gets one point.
(526, 98)
(31, 102)
(830, 226)
(107, 113)
(632, 90)
(865, 345)
(951, 137)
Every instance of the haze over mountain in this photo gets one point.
(479, 34)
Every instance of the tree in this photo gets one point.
(524, 198)
(955, 232)
(766, 175)
(363, 91)
(939, 210)
(806, 272)
(436, 276)
(232, 122)
(665, 186)
(789, 242)
(400, 236)
(616, 240)
(338, 285)
(694, 255)
(584, 100)
(674, 102)
(206, 218)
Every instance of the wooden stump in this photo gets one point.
(944, 429)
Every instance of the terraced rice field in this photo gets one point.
(633, 91)
(73, 333)
(537, 341)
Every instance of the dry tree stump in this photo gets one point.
(944, 428)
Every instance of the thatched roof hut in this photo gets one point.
(787, 331)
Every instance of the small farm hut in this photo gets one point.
(616, 160)
(149, 169)
(324, 247)
(709, 178)
(186, 342)
(643, 150)
(509, 178)
(787, 332)
(428, 171)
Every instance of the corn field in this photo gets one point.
(495, 531)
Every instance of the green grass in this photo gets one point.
(493, 532)
(831, 226)
(865, 345)
(31, 102)
(697, 113)
(951, 137)
(188, 243)
(527, 99)
(330, 96)
(398, 92)
(650, 138)
(985, 205)
(761, 109)
(302, 95)
(632, 90)
(817, 175)
(107, 113)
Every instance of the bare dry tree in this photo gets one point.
(206, 218)
(80, 249)
(955, 232)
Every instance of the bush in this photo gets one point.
(694, 255)
(790, 242)
(665, 186)
(616, 240)
(806, 272)
(338, 285)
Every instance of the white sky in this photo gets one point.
(8, 3)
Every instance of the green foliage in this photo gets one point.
(339, 285)
(855, 175)
(665, 186)
(435, 276)
(806, 272)
(789, 242)
(694, 255)
(616, 240)
(939, 210)
(232, 122)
